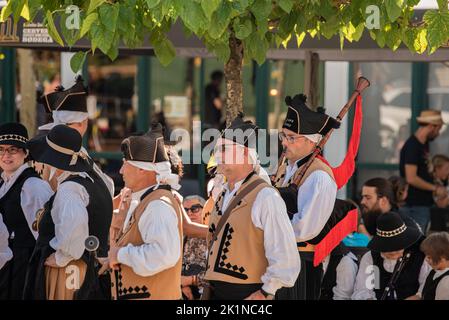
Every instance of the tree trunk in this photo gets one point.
(27, 82)
(233, 77)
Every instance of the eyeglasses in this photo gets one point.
(290, 139)
(10, 150)
(195, 208)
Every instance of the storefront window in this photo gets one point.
(386, 111)
(438, 97)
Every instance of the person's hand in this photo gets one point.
(414, 297)
(51, 261)
(186, 281)
(187, 291)
(442, 202)
(112, 257)
(125, 199)
(258, 295)
(104, 265)
(441, 192)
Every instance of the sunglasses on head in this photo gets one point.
(195, 208)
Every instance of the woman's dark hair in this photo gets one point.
(399, 186)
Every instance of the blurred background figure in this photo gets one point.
(213, 101)
(195, 249)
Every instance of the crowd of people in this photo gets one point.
(66, 234)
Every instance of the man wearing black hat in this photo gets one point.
(395, 268)
(301, 132)
(69, 107)
(252, 249)
(73, 227)
(145, 254)
(22, 194)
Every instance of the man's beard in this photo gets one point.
(370, 220)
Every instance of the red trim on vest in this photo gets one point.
(346, 226)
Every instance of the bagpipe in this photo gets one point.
(344, 217)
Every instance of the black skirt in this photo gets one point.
(308, 283)
(12, 275)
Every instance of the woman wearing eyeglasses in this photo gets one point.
(194, 259)
(22, 194)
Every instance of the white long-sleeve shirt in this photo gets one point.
(269, 214)
(316, 199)
(346, 274)
(366, 277)
(158, 227)
(71, 219)
(33, 196)
(5, 251)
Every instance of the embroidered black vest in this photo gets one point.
(13, 216)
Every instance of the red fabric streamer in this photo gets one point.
(346, 226)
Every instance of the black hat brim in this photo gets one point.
(14, 143)
(40, 151)
(399, 242)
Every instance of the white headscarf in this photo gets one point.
(64, 117)
(163, 172)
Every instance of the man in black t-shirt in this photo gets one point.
(414, 167)
(213, 102)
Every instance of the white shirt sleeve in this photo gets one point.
(5, 251)
(346, 275)
(442, 292)
(316, 199)
(366, 279)
(71, 221)
(161, 250)
(35, 193)
(423, 273)
(270, 215)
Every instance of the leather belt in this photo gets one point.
(305, 247)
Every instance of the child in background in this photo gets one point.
(436, 249)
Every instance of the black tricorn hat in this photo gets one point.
(72, 99)
(392, 234)
(14, 134)
(148, 147)
(242, 132)
(60, 148)
(301, 120)
(158, 128)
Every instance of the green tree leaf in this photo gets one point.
(193, 16)
(209, 7)
(220, 20)
(442, 5)
(261, 10)
(108, 16)
(286, 5)
(165, 51)
(94, 4)
(242, 28)
(394, 8)
(6, 11)
(77, 61)
(52, 31)
(87, 23)
(152, 3)
(437, 28)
